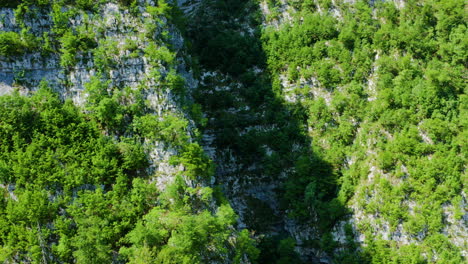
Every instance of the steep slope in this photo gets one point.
(383, 87)
(338, 123)
(335, 130)
(258, 141)
(99, 159)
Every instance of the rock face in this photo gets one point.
(124, 38)
(366, 225)
(141, 58)
(237, 134)
(251, 188)
(240, 132)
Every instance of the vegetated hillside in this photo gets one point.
(338, 130)
(256, 140)
(342, 136)
(99, 160)
(382, 88)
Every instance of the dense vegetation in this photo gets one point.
(75, 194)
(252, 124)
(382, 90)
(78, 183)
(351, 110)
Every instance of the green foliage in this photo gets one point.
(196, 163)
(14, 44)
(168, 234)
(49, 149)
(60, 17)
(252, 124)
(68, 174)
(380, 89)
(50, 125)
(176, 83)
(278, 251)
(158, 55)
(86, 4)
(162, 8)
(395, 75)
(170, 129)
(116, 110)
(105, 54)
(71, 44)
(78, 186)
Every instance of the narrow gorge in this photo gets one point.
(233, 131)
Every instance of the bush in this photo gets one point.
(196, 163)
(14, 44)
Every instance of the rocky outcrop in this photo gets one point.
(365, 225)
(130, 66)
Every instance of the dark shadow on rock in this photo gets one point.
(265, 164)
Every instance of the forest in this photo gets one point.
(354, 111)
(394, 80)
(77, 183)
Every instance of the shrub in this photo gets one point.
(15, 44)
